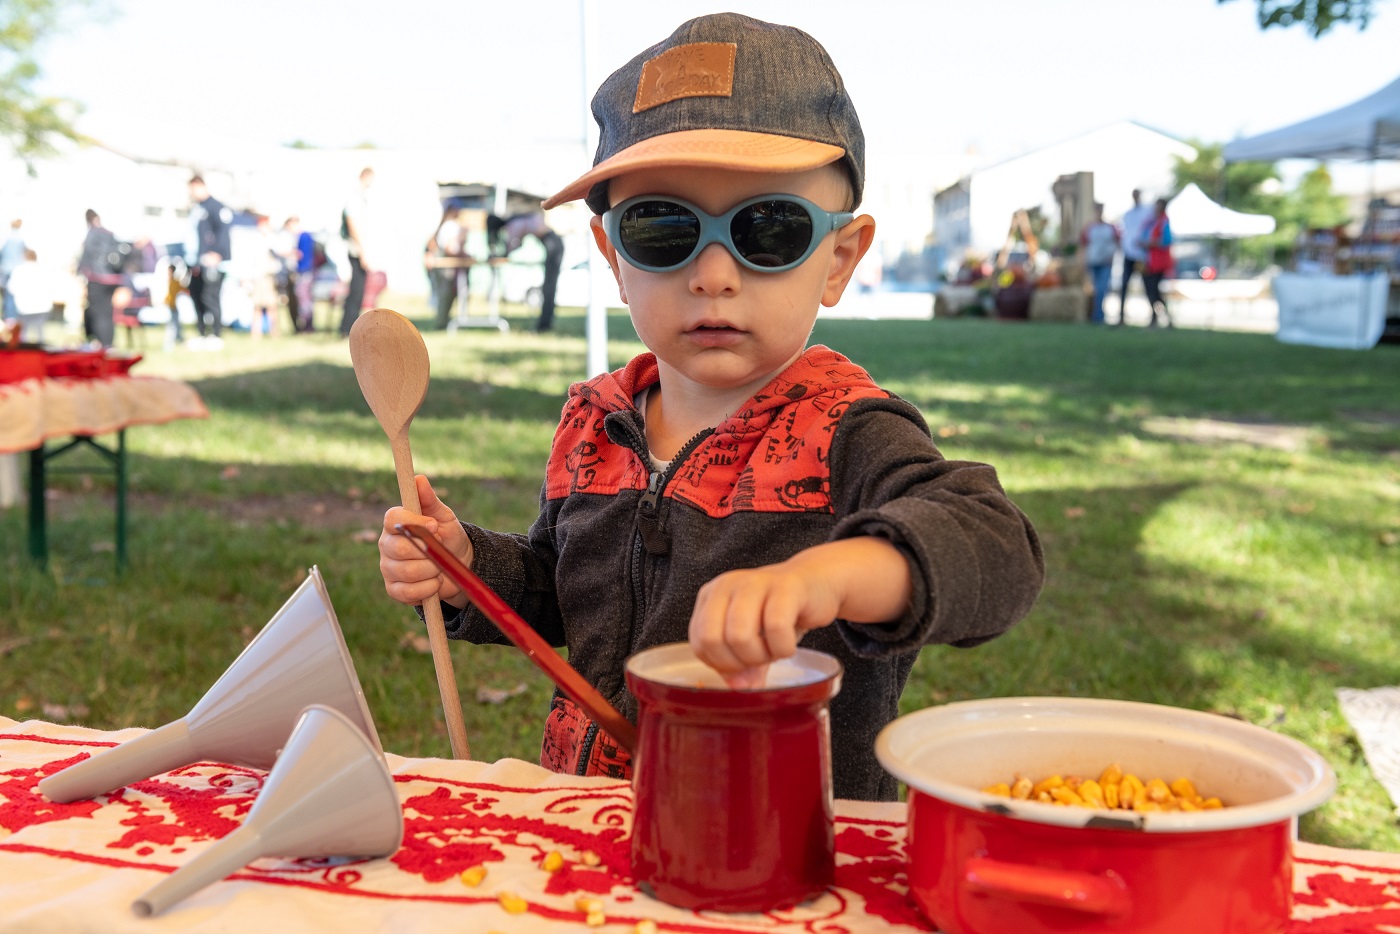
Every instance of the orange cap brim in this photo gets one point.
(740, 150)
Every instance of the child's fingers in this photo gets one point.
(397, 515)
(429, 503)
(780, 623)
(708, 628)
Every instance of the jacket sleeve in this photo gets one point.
(976, 560)
(520, 569)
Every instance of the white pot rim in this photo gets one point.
(908, 746)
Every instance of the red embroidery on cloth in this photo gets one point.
(21, 804)
(453, 823)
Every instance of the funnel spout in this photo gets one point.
(221, 860)
(148, 754)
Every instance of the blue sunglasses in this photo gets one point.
(770, 233)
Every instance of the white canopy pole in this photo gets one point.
(596, 320)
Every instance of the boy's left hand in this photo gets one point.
(746, 619)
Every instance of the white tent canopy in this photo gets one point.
(1366, 129)
(1193, 214)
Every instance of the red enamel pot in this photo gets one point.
(989, 864)
(734, 807)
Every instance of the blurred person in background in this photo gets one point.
(11, 256)
(447, 254)
(262, 282)
(357, 229)
(507, 234)
(100, 265)
(1135, 221)
(208, 254)
(1157, 240)
(1099, 241)
(32, 291)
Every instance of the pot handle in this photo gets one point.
(1094, 893)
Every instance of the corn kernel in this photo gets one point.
(1183, 788)
(645, 926)
(1000, 788)
(595, 919)
(588, 904)
(473, 875)
(1064, 795)
(512, 903)
(1092, 793)
(1111, 775)
(1045, 784)
(1158, 791)
(552, 861)
(1022, 788)
(1110, 795)
(589, 858)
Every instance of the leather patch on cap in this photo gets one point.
(700, 69)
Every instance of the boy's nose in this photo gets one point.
(715, 272)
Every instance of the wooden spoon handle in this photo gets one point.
(432, 613)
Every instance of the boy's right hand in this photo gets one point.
(409, 576)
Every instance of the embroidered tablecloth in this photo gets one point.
(77, 867)
(35, 410)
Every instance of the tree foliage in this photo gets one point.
(1254, 188)
(30, 122)
(1317, 16)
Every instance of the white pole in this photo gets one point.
(599, 281)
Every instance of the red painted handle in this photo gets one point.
(525, 638)
(1093, 893)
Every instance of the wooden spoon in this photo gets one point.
(391, 364)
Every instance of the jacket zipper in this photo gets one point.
(649, 507)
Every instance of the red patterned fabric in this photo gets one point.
(77, 867)
(770, 456)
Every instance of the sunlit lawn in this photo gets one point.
(1220, 515)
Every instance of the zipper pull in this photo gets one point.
(649, 516)
(652, 496)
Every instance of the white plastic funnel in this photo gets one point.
(330, 794)
(298, 659)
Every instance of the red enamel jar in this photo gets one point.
(988, 864)
(734, 807)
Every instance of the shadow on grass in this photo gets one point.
(1113, 622)
(326, 389)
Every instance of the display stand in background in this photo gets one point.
(463, 317)
(1345, 312)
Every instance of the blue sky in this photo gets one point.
(931, 78)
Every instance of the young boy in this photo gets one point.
(733, 486)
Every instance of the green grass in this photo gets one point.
(1219, 513)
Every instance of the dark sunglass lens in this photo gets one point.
(772, 233)
(658, 233)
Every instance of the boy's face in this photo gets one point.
(714, 323)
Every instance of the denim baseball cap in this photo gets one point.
(724, 91)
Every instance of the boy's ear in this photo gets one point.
(600, 237)
(852, 241)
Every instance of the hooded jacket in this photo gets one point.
(614, 561)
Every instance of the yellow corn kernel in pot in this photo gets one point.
(1065, 795)
(1183, 788)
(1021, 788)
(1045, 784)
(1111, 775)
(1000, 788)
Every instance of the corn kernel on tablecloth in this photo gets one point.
(77, 867)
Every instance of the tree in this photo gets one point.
(1244, 186)
(29, 122)
(1318, 16)
(1253, 187)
